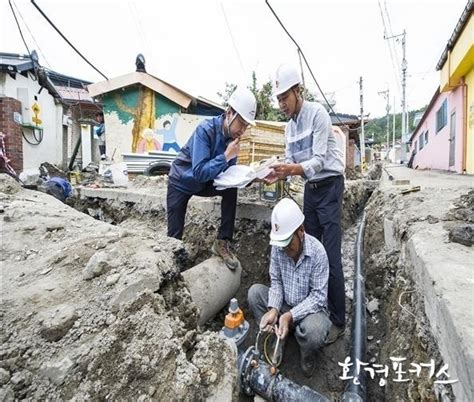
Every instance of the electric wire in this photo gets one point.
(388, 39)
(309, 68)
(391, 33)
(233, 41)
(19, 30)
(64, 37)
(31, 34)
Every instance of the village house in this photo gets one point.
(444, 137)
(44, 115)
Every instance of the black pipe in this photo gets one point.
(275, 387)
(356, 388)
(258, 377)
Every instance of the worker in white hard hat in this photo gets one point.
(297, 296)
(312, 152)
(210, 150)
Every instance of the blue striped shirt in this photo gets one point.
(304, 285)
(311, 143)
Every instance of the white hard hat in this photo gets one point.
(244, 103)
(286, 77)
(286, 218)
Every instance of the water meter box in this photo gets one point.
(271, 192)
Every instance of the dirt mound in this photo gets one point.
(93, 311)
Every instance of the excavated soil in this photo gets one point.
(96, 308)
(95, 311)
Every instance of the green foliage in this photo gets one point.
(264, 95)
(378, 127)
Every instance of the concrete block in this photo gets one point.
(446, 278)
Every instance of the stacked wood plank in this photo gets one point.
(263, 141)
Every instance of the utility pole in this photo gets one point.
(404, 128)
(386, 95)
(302, 75)
(404, 101)
(362, 136)
(393, 124)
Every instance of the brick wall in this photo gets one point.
(13, 138)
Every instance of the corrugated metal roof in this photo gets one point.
(74, 94)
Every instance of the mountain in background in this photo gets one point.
(377, 128)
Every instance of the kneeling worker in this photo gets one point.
(212, 148)
(297, 297)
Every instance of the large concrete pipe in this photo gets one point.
(212, 285)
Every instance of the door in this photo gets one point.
(452, 138)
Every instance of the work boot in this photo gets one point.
(307, 363)
(334, 333)
(221, 248)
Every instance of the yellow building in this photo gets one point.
(457, 70)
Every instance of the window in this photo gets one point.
(421, 141)
(426, 137)
(415, 148)
(442, 116)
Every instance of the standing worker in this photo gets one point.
(311, 152)
(212, 148)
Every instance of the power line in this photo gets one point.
(31, 34)
(309, 68)
(386, 35)
(391, 33)
(19, 29)
(69, 43)
(233, 41)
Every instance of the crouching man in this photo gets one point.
(297, 297)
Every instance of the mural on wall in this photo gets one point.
(169, 135)
(148, 142)
(139, 120)
(141, 107)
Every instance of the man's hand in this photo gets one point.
(232, 150)
(271, 178)
(283, 170)
(268, 320)
(284, 325)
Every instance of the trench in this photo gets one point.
(392, 330)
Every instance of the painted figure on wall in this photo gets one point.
(143, 114)
(148, 142)
(169, 135)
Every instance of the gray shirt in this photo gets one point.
(311, 143)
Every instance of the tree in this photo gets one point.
(264, 96)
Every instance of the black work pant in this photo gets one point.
(322, 211)
(177, 204)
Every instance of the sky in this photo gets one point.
(200, 45)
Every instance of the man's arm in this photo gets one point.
(318, 284)
(321, 129)
(205, 167)
(275, 294)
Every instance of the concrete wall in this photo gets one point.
(130, 111)
(50, 149)
(435, 154)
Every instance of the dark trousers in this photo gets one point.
(322, 211)
(177, 204)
